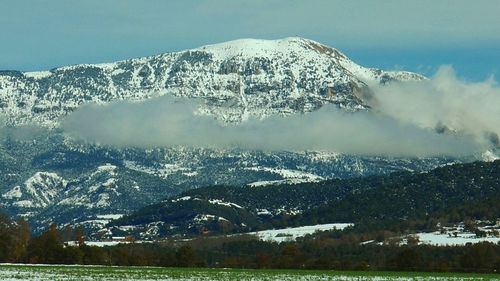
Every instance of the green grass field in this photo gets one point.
(65, 273)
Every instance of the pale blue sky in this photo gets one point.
(413, 35)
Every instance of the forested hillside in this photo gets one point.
(376, 200)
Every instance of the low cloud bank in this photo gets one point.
(441, 116)
(445, 104)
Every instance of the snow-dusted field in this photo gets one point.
(290, 234)
(436, 238)
(84, 273)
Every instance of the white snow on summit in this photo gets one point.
(235, 80)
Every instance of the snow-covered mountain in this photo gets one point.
(48, 177)
(236, 80)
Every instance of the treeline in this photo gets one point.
(329, 250)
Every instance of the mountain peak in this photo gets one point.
(237, 80)
(249, 48)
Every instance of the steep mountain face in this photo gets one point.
(48, 177)
(236, 80)
(38, 191)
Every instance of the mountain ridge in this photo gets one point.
(235, 80)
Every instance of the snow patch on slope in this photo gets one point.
(289, 176)
(291, 234)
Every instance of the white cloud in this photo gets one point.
(441, 116)
(444, 103)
